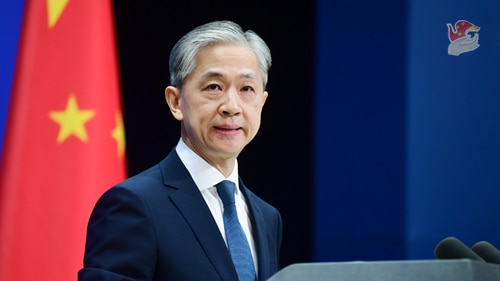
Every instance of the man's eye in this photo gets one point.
(213, 87)
(247, 89)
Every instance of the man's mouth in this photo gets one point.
(227, 129)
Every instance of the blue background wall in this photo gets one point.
(360, 130)
(10, 23)
(405, 138)
(453, 147)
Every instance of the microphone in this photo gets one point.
(487, 251)
(452, 248)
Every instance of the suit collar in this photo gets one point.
(176, 176)
(202, 173)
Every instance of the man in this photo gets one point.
(169, 222)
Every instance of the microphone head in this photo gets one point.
(487, 251)
(452, 248)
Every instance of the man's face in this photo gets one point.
(221, 102)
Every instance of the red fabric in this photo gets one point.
(50, 178)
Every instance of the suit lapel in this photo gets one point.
(257, 220)
(193, 208)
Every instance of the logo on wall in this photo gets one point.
(464, 37)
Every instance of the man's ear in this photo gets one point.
(173, 98)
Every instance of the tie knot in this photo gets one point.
(226, 191)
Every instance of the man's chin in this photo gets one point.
(226, 152)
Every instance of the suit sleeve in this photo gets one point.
(120, 241)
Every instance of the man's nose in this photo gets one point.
(231, 103)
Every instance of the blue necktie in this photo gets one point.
(236, 240)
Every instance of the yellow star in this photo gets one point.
(54, 10)
(72, 121)
(118, 134)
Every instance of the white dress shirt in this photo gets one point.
(206, 177)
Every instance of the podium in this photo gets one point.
(417, 270)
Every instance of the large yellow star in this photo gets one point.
(72, 121)
(54, 10)
(118, 134)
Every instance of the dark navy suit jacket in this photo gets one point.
(157, 226)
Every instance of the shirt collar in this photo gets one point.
(204, 175)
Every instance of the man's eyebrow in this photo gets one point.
(215, 74)
(249, 75)
(211, 74)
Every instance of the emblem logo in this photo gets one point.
(464, 37)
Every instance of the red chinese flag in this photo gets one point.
(64, 142)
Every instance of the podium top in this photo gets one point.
(417, 270)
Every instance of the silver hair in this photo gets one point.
(182, 59)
